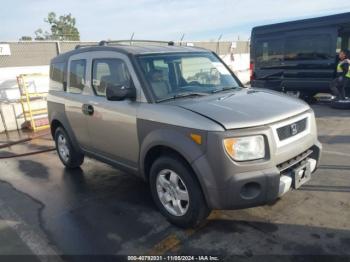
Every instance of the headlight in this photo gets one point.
(245, 148)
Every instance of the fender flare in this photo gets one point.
(63, 120)
(180, 143)
(172, 139)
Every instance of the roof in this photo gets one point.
(130, 49)
(330, 20)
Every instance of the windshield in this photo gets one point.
(177, 75)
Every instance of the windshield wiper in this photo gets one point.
(181, 95)
(223, 89)
(186, 94)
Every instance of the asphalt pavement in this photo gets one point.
(49, 213)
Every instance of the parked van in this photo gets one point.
(299, 57)
(180, 119)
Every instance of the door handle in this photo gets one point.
(88, 109)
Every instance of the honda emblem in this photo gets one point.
(294, 129)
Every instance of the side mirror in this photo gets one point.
(120, 92)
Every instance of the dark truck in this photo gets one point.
(298, 57)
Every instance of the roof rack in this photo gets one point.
(81, 46)
(131, 41)
(123, 42)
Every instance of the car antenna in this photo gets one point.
(132, 37)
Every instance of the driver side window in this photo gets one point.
(108, 71)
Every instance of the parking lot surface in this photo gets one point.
(98, 210)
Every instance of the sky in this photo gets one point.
(160, 19)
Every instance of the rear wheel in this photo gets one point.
(176, 192)
(70, 157)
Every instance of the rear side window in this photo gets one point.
(268, 51)
(106, 72)
(57, 72)
(57, 76)
(77, 70)
(308, 47)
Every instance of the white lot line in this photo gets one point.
(35, 243)
(335, 153)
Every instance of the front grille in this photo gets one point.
(291, 163)
(293, 129)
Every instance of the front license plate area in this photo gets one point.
(301, 175)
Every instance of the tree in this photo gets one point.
(62, 28)
(41, 35)
(26, 38)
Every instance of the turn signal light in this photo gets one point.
(197, 138)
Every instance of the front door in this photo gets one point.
(112, 126)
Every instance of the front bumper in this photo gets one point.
(249, 189)
(228, 184)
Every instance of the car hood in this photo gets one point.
(245, 108)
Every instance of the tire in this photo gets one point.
(70, 157)
(308, 98)
(341, 104)
(193, 211)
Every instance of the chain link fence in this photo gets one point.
(68, 46)
(224, 47)
(36, 53)
(29, 54)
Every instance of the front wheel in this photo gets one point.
(176, 192)
(307, 97)
(341, 104)
(70, 157)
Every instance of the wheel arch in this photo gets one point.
(157, 151)
(54, 125)
(58, 119)
(166, 140)
(169, 142)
